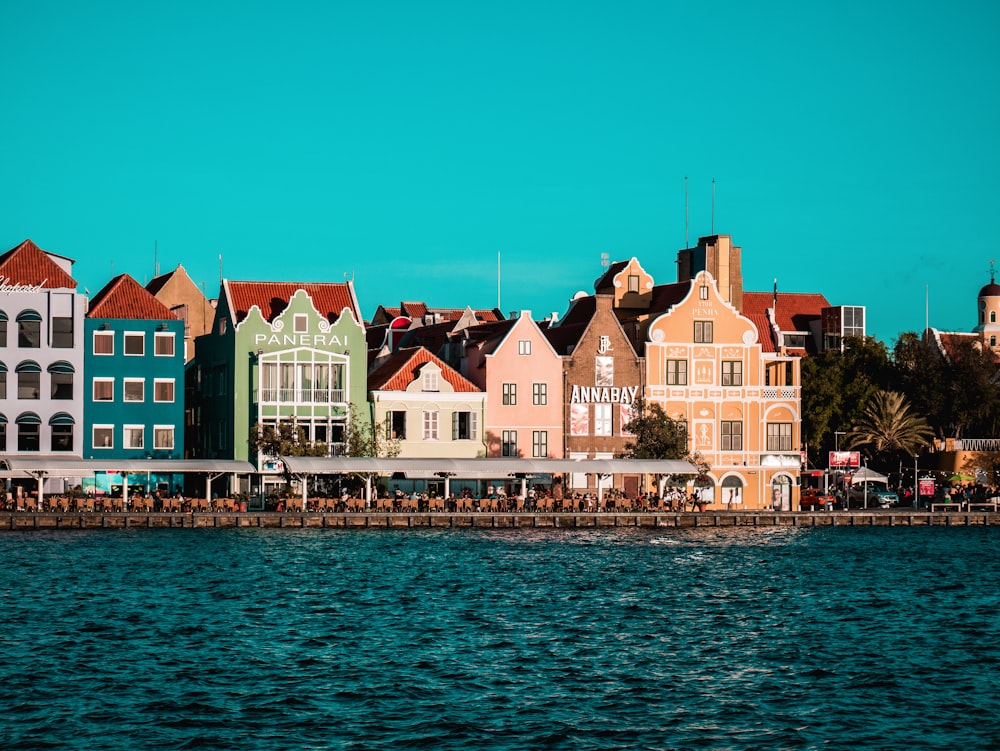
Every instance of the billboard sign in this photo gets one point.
(845, 459)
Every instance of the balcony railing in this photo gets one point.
(301, 396)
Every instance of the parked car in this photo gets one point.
(878, 497)
(816, 500)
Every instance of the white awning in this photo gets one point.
(494, 468)
(68, 466)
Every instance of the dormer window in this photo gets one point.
(430, 380)
(703, 292)
(633, 283)
(301, 323)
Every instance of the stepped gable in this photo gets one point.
(329, 298)
(29, 264)
(124, 297)
(400, 369)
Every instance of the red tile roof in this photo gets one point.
(952, 343)
(124, 297)
(401, 368)
(329, 298)
(765, 334)
(794, 311)
(29, 264)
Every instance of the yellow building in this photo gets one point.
(705, 366)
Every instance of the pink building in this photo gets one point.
(514, 363)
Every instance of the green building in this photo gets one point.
(277, 352)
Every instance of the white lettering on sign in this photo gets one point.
(604, 345)
(620, 395)
(298, 340)
(8, 287)
(704, 312)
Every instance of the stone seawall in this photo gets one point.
(27, 521)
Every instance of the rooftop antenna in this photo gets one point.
(992, 271)
(605, 260)
(220, 268)
(713, 205)
(686, 243)
(156, 259)
(498, 281)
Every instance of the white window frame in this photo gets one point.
(142, 437)
(431, 423)
(110, 335)
(163, 337)
(173, 443)
(141, 336)
(524, 346)
(93, 390)
(93, 436)
(125, 385)
(173, 390)
(602, 419)
(431, 380)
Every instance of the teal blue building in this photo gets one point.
(134, 384)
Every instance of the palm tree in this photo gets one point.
(888, 426)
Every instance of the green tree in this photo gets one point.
(284, 439)
(657, 436)
(369, 439)
(889, 428)
(836, 386)
(959, 393)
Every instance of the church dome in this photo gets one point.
(990, 290)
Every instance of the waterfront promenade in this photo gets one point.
(26, 521)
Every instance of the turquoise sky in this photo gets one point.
(854, 145)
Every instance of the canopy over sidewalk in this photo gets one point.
(69, 466)
(479, 469)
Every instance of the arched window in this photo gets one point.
(29, 329)
(3, 432)
(28, 426)
(62, 431)
(732, 491)
(3, 380)
(781, 493)
(61, 375)
(29, 379)
(3, 329)
(993, 316)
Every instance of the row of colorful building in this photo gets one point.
(161, 372)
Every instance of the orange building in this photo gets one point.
(706, 366)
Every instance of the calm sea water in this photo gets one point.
(883, 638)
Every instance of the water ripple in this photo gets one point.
(717, 639)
